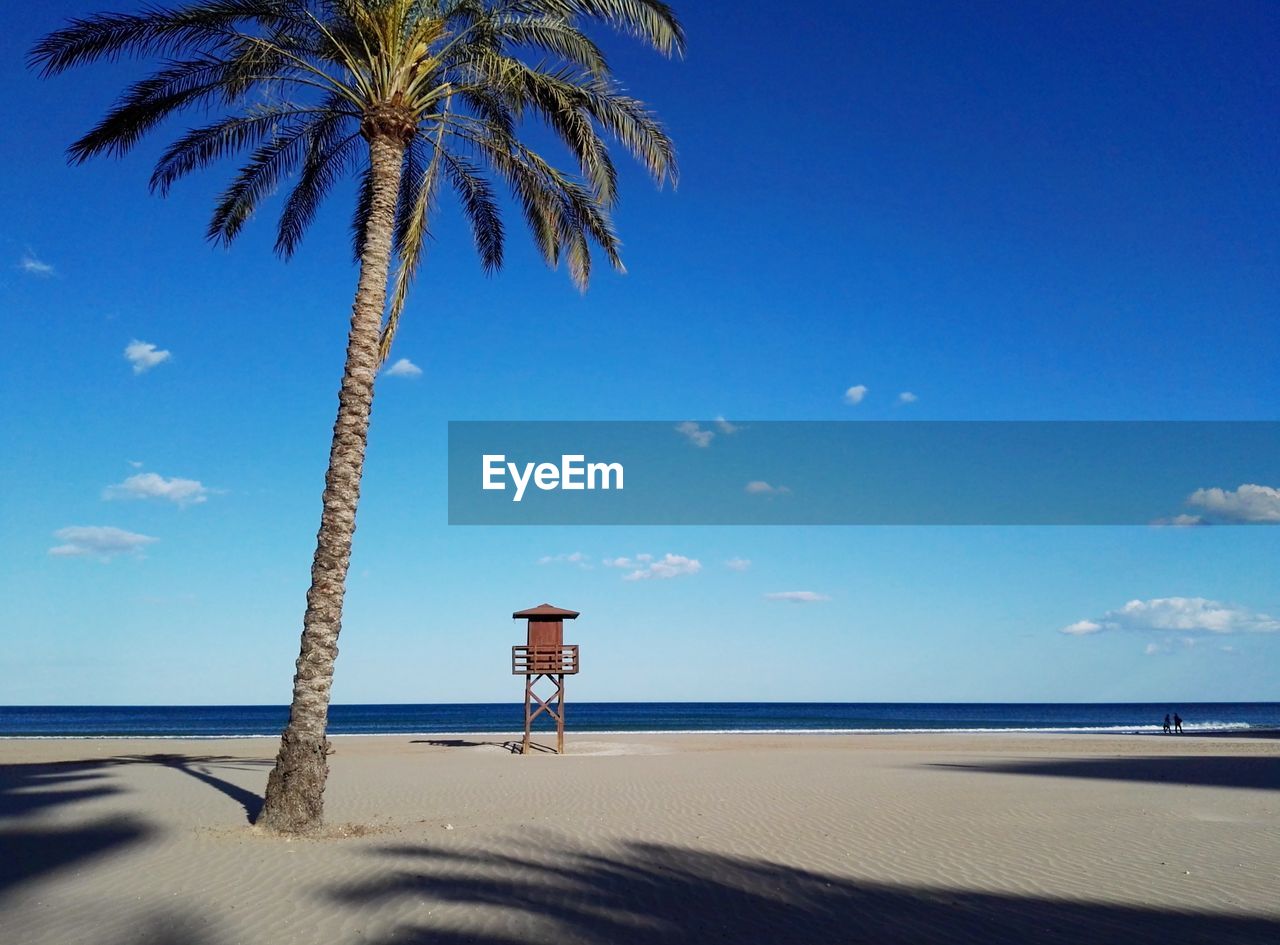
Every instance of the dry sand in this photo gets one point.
(650, 839)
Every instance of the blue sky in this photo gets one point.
(1039, 211)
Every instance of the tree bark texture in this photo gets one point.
(294, 800)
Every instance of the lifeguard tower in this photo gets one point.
(545, 655)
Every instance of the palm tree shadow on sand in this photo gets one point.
(1250, 772)
(654, 894)
(199, 767)
(32, 850)
(28, 791)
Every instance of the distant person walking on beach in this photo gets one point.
(1177, 723)
(1166, 723)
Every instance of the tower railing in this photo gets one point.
(553, 659)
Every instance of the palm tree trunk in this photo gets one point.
(294, 800)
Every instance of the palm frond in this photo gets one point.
(257, 179)
(537, 202)
(631, 123)
(480, 206)
(412, 178)
(555, 36)
(148, 102)
(650, 21)
(200, 147)
(412, 229)
(156, 31)
(360, 212)
(559, 100)
(331, 148)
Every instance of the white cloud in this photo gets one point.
(646, 567)
(668, 566)
(625, 562)
(1248, 503)
(1179, 615)
(154, 486)
(906, 397)
(103, 541)
(1181, 521)
(854, 395)
(143, 355)
(34, 266)
(135, 463)
(760, 487)
(576, 557)
(797, 597)
(403, 368)
(695, 434)
(1166, 645)
(738, 564)
(725, 427)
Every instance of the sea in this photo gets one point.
(644, 717)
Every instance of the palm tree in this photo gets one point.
(416, 97)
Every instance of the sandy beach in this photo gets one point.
(649, 838)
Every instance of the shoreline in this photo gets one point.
(1100, 732)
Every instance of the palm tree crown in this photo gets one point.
(299, 83)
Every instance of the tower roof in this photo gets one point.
(545, 610)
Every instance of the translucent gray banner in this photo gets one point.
(863, 473)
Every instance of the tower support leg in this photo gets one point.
(528, 712)
(553, 705)
(559, 714)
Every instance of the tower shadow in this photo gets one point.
(511, 746)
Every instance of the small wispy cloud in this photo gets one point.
(760, 487)
(1169, 644)
(797, 597)
(1181, 521)
(1177, 615)
(694, 433)
(738, 564)
(403, 368)
(575, 558)
(151, 485)
(725, 427)
(647, 567)
(906, 397)
(855, 394)
(101, 541)
(143, 355)
(32, 265)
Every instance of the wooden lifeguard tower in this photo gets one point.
(544, 655)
